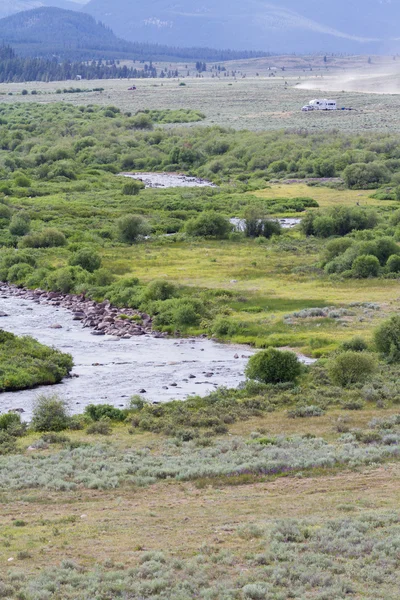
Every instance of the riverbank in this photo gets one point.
(110, 369)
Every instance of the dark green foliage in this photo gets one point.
(50, 413)
(350, 367)
(387, 338)
(365, 266)
(132, 227)
(356, 344)
(100, 411)
(209, 224)
(366, 175)
(338, 221)
(393, 263)
(87, 259)
(141, 121)
(159, 290)
(274, 366)
(20, 224)
(47, 238)
(25, 363)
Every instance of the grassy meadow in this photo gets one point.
(272, 491)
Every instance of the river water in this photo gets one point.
(111, 370)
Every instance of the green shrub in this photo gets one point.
(274, 366)
(47, 238)
(87, 259)
(159, 289)
(387, 338)
(209, 224)
(350, 367)
(101, 411)
(393, 264)
(324, 226)
(102, 427)
(9, 421)
(19, 273)
(132, 227)
(20, 224)
(8, 443)
(356, 344)
(132, 187)
(366, 175)
(365, 266)
(50, 413)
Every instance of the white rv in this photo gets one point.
(321, 104)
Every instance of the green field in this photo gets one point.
(280, 489)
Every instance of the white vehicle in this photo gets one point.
(307, 108)
(323, 104)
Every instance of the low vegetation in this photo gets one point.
(25, 363)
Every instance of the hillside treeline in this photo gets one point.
(16, 69)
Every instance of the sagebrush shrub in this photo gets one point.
(350, 367)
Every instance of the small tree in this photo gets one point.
(274, 366)
(387, 338)
(351, 367)
(132, 227)
(50, 413)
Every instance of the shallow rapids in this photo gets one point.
(111, 370)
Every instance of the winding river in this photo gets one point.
(110, 370)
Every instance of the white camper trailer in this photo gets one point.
(321, 104)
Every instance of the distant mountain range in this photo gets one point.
(277, 26)
(356, 26)
(50, 32)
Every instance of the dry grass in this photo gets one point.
(179, 518)
(256, 103)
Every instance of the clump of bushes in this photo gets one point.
(47, 238)
(362, 259)
(97, 412)
(209, 225)
(338, 221)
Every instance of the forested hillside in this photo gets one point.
(16, 69)
(70, 35)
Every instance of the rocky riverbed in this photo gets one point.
(120, 360)
(101, 318)
(168, 180)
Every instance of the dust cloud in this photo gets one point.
(377, 81)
